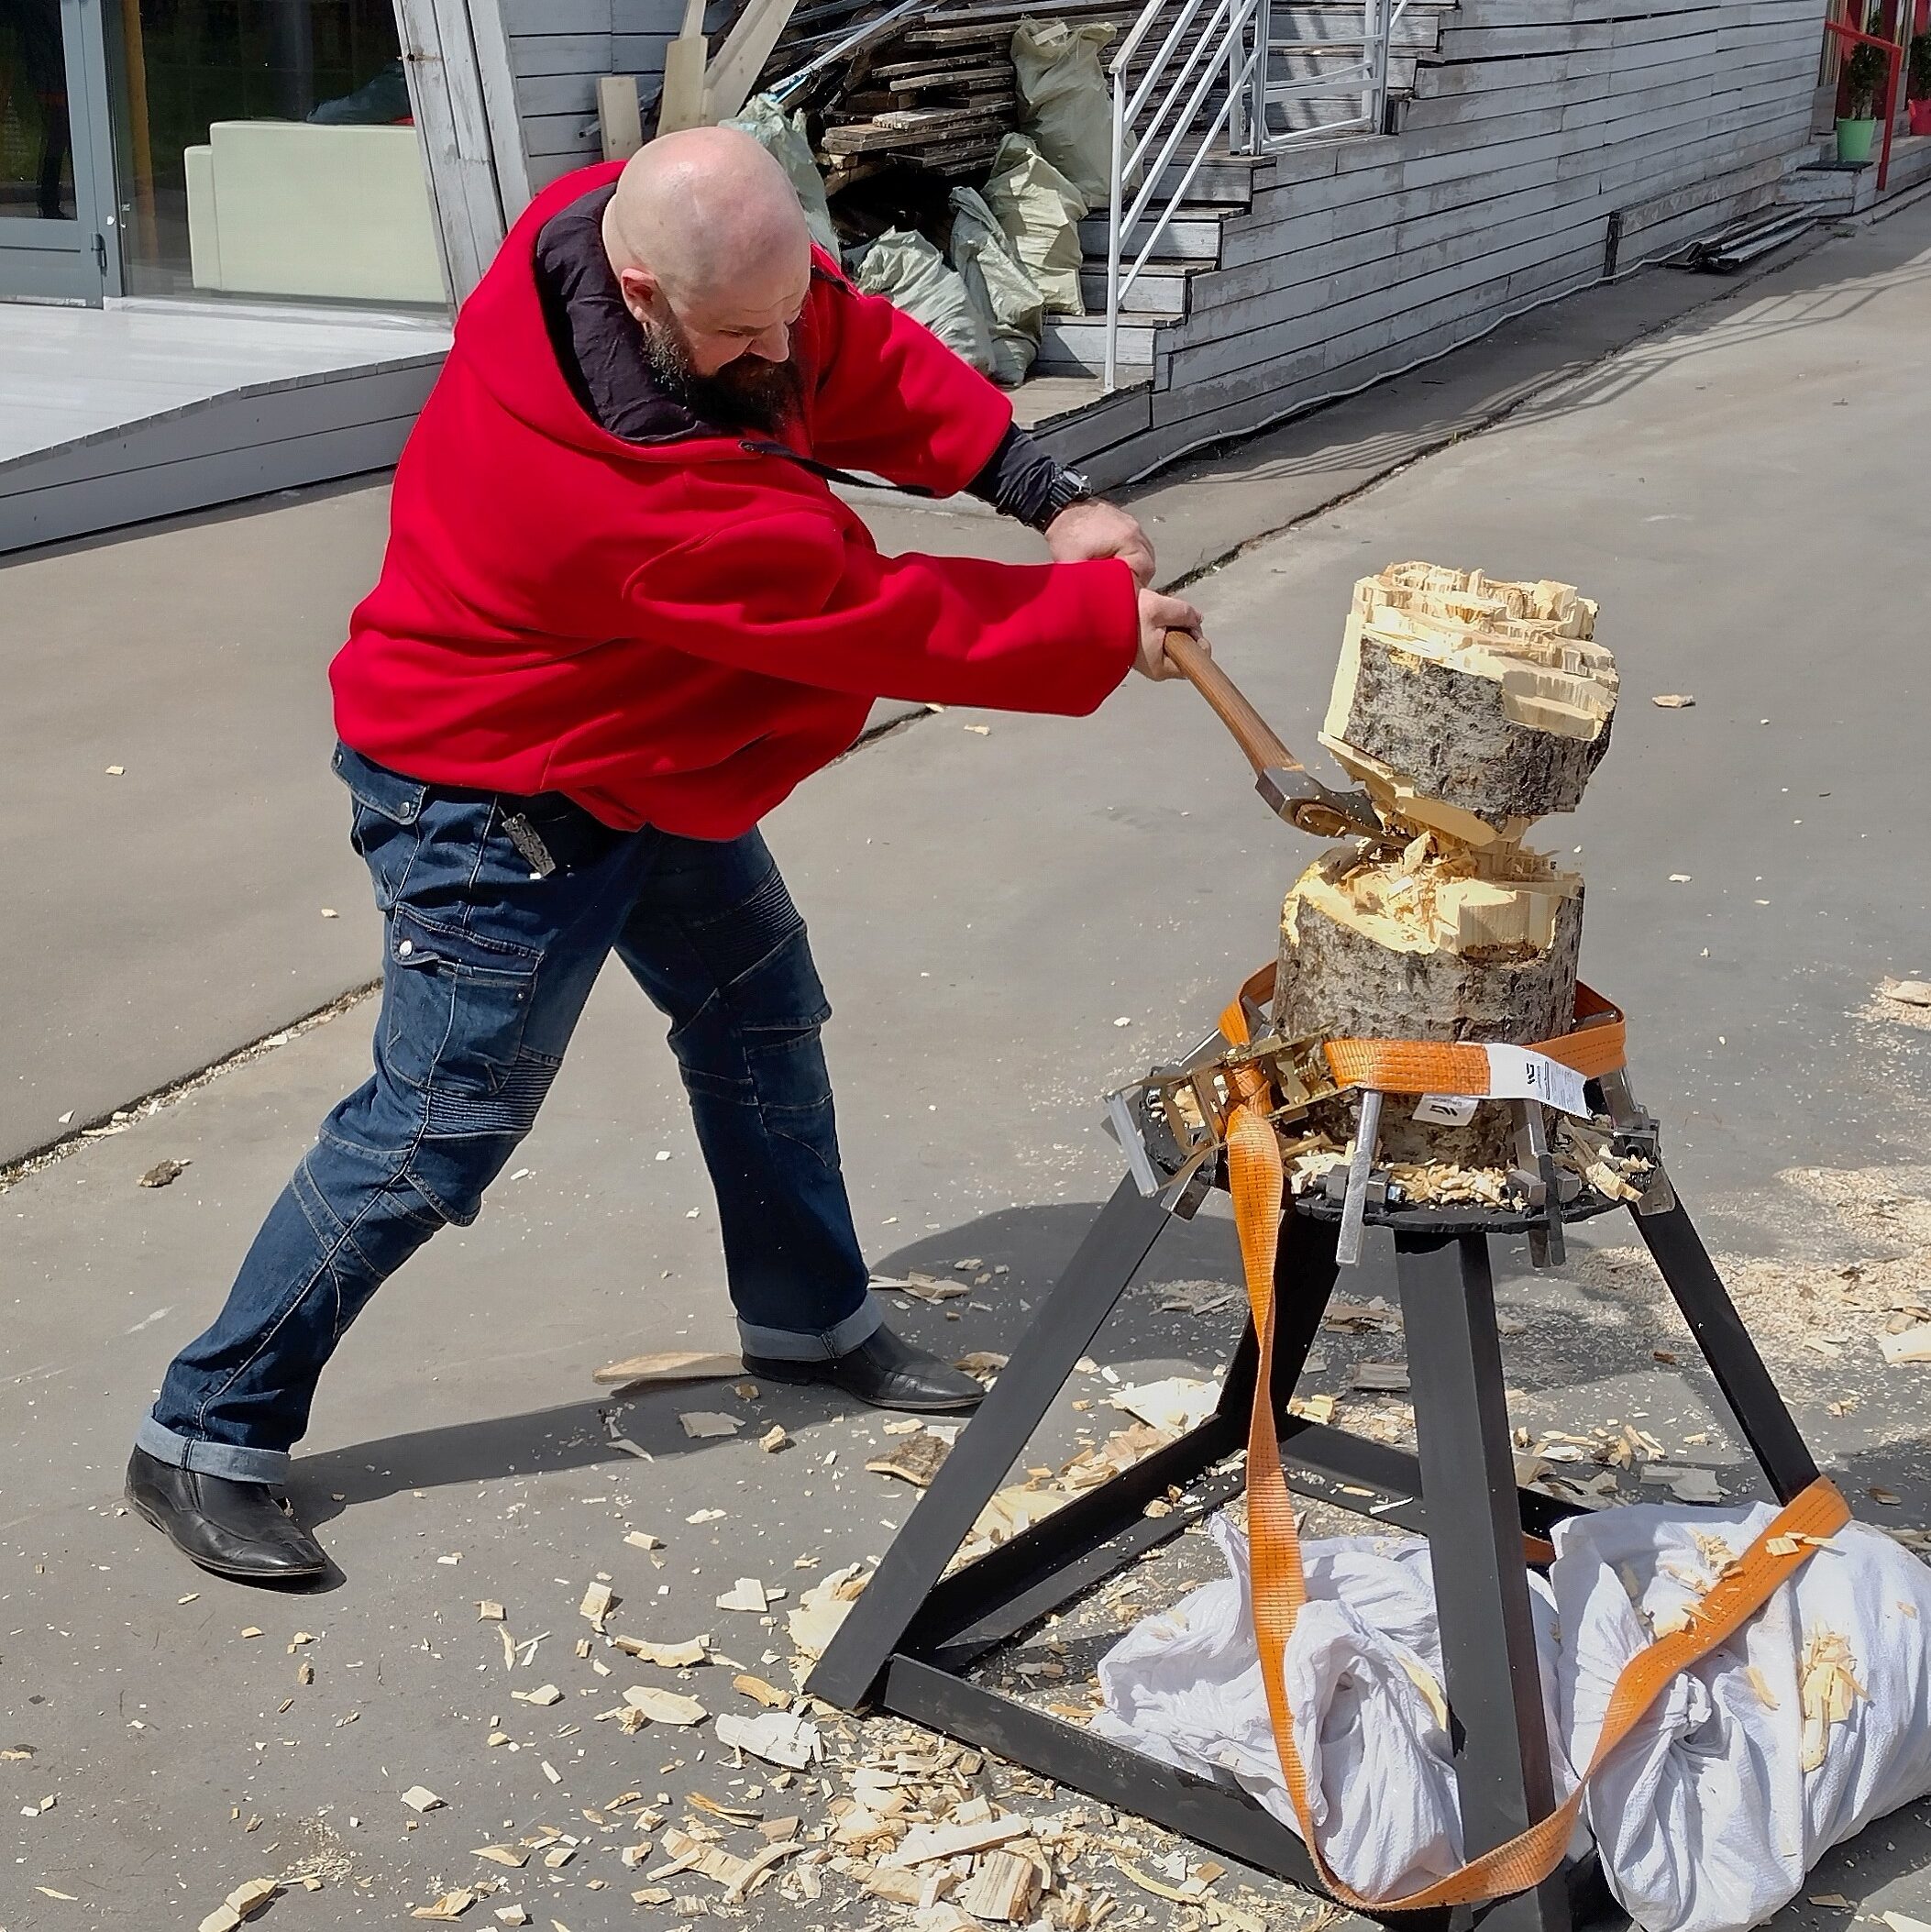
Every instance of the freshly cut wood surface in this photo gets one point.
(1425, 948)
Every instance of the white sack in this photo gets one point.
(1040, 209)
(784, 138)
(1066, 105)
(908, 270)
(1705, 1818)
(1184, 1688)
(998, 284)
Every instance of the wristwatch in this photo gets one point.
(1067, 489)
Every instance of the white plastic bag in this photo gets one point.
(1705, 1815)
(998, 284)
(1040, 209)
(1364, 1677)
(1065, 102)
(908, 270)
(766, 122)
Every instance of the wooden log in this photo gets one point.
(1426, 948)
(1469, 705)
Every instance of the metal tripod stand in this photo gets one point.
(912, 1638)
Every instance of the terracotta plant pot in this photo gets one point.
(1920, 113)
(1854, 139)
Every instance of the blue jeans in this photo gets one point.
(487, 962)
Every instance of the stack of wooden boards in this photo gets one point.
(1470, 708)
(934, 87)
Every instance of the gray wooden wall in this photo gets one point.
(1533, 123)
(557, 49)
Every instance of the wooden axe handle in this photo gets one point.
(1252, 732)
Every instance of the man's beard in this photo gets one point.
(749, 393)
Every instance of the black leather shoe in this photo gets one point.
(242, 1530)
(888, 1372)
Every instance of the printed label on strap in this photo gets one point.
(1446, 1109)
(1516, 1074)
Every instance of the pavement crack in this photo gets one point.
(159, 1099)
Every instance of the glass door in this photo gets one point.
(54, 245)
(267, 151)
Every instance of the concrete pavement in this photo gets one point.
(1741, 491)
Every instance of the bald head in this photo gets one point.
(706, 237)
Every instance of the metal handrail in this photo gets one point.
(1231, 47)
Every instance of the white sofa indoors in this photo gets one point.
(290, 208)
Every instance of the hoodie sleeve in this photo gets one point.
(792, 594)
(892, 399)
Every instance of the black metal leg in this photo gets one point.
(1468, 1482)
(1685, 1265)
(1060, 1333)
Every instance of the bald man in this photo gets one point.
(620, 616)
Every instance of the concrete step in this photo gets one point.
(1076, 345)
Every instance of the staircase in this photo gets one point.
(1306, 43)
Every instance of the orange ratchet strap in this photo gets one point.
(1598, 1045)
(1278, 1581)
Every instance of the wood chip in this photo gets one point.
(1176, 1404)
(673, 1366)
(1385, 1377)
(1002, 1888)
(772, 1439)
(767, 1695)
(925, 1843)
(642, 1540)
(419, 1797)
(1914, 1344)
(823, 1608)
(1826, 1689)
(747, 1594)
(701, 1424)
(916, 1460)
(164, 1173)
(544, 1694)
(513, 1856)
(775, 1737)
(741, 1887)
(1696, 1486)
(599, 1600)
(1907, 992)
(666, 1656)
(663, 1706)
(451, 1905)
(1672, 701)
(488, 1612)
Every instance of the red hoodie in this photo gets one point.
(676, 634)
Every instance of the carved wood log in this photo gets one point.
(1427, 948)
(1469, 706)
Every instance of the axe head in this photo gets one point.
(1309, 806)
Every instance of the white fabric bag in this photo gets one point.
(1066, 105)
(1705, 1815)
(1363, 1678)
(998, 284)
(910, 272)
(1040, 209)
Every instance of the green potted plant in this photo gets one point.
(1918, 105)
(1864, 70)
